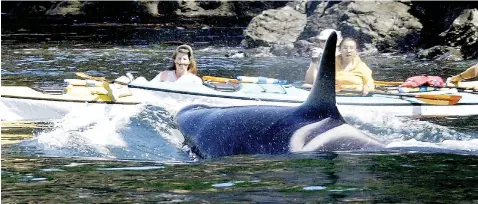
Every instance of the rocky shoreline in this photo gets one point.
(432, 30)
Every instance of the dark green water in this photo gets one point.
(306, 178)
(444, 176)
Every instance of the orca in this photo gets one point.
(315, 125)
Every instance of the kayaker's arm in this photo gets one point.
(159, 78)
(312, 71)
(471, 72)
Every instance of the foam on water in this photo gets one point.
(134, 133)
(398, 132)
(146, 132)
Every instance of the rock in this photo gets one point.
(441, 53)
(298, 5)
(304, 48)
(205, 8)
(63, 8)
(314, 25)
(254, 8)
(259, 52)
(239, 54)
(29, 8)
(386, 25)
(151, 7)
(369, 49)
(283, 50)
(463, 33)
(188, 6)
(276, 26)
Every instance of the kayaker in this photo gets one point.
(183, 69)
(469, 73)
(317, 53)
(351, 73)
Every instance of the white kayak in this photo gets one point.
(20, 103)
(27, 104)
(275, 94)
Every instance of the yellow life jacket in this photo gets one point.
(355, 77)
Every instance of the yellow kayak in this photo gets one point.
(72, 94)
(21, 103)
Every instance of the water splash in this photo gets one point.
(407, 132)
(97, 132)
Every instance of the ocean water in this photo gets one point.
(93, 155)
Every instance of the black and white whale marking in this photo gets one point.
(316, 125)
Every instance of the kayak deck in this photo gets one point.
(291, 94)
(76, 94)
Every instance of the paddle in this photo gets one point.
(106, 84)
(220, 79)
(435, 99)
(87, 76)
(387, 83)
(245, 79)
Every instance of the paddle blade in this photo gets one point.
(86, 76)
(448, 99)
(113, 97)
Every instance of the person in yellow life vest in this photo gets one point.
(469, 73)
(350, 72)
(316, 53)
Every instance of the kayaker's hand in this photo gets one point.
(338, 87)
(316, 52)
(454, 79)
(365, 90)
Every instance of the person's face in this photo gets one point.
(182, 61)
(322, 43)
(348, 49)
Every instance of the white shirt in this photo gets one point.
(171, 77)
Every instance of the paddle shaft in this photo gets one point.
(87, 76)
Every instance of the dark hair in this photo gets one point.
(186, 49)
(348, 39)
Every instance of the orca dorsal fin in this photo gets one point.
(322, 95)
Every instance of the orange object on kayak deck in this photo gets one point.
(452, 99)
(220, 79)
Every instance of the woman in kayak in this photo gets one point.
(351, 72)
(471, 72)
(184, 67)
(317, 53)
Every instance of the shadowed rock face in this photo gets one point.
(105, 8)
(278, 25)
(463, 32)
(381, 26)
(385, 25)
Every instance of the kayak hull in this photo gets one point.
(26, 104)
(22, 109)
(348, 105)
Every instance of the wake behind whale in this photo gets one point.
(316, 125)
